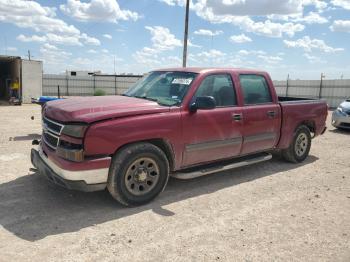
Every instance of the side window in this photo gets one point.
(220, 87)
(255, 89)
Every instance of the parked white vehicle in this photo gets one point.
(341, 116)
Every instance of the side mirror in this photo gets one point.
(203, 102)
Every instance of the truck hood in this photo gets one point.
(91, 109)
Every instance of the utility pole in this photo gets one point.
(29, 55)
(114, 63)
(184, 57)
(320, 91)
(287, 85)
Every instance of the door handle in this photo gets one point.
(271, 113)
(237, 117)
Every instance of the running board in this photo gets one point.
(245, 161)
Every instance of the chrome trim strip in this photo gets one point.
(213, 144)
(259, 137)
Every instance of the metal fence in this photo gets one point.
(333, 91)
(86, 85)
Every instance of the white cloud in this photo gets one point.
(341, 26)
(89, 40)
(313, 59)
(190, 44)
(308, 44)
(30, 14)
(64, 40)
(92, 51)
(246, 23)
(33, 38)
(174, 2)
(312, 18)
(53, 56)
(206, 32)
(162, 39)
(319, 4)
(11, 49)
(342, 3)
(237, 13)
(210, 57)
(60, 39)
(105, 51)
(242, 38)
(271, 59)
(107, 36)
(244, 52)
(97, 10)
(212, 53)
(253, 7)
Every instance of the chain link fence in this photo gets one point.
(62, 85)
(333, 91)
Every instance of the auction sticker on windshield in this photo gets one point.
(182, 81)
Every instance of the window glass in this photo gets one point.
(166, 87)
(220, 87)
(255, 89)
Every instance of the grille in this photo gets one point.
(52, 126)
(50, 139)
(51, 132)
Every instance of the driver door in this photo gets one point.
(213, 134)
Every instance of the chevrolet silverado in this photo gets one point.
(180, 122)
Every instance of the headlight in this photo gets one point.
(77, 130)
(340, 109)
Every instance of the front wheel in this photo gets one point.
(138, 173)
(299, 149)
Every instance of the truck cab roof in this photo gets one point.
(211, 69)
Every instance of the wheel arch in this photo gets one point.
(310, 124)
(161, 143)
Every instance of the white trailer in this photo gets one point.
(29, 74)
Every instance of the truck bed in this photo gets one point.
(288, 99)
(296, 111)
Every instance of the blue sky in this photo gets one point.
(302, 38)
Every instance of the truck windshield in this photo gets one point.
(165, 87)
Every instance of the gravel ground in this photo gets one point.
(272, 211)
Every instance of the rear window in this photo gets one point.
(255, 89)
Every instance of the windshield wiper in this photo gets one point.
(147, 98)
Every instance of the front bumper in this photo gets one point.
(73, 180)
(340, 120)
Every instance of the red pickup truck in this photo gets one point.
(180, 122)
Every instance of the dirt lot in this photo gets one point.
(273, 211)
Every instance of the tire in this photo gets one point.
(138, 173)
(299, 149)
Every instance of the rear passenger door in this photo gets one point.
(261, 115)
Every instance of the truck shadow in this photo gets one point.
(32, 208)
(25, 138)
(340, 131)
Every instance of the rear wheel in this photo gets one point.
(138, 173)
(299, 149)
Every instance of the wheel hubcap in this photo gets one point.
(142, 176)
(301, 144)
